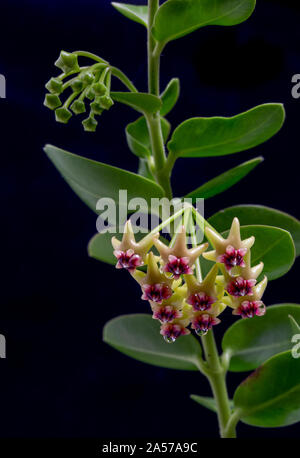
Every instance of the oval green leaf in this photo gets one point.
(170, 96)
(248, 343)
(176, 18)
(257, 214)
(91, 180)
(138, 138)
(134, 12)
(204, 137)
(138, 336)
(224, 181)
(270, 396)
(139, 101)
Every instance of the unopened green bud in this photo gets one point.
(106, 102)
(90, 124)
(62, 115)
(52, 101)
(54, 86)
(99, 89)
(96, 106)
(67, 62)
(77, 85)
(87, 77)
(90, 94)
(78, 107)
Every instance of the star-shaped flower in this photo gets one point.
(230, 251)
(247, 305)
(155, 285)
(203, 322)
(178, 259)
(129, 253)
(202, 295)
(249, 309)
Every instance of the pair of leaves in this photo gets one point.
(257, 214)
(92, 180)
(247, 343)
(261, 401)
(219, 136)
(176, 18)
(270, 397)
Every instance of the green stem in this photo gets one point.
(169, 220)
(217, 380)
(230, 430)
(161, 174)
(215, 369)
(90, 55)
(123, 78)
(153, 59)
(158, 149)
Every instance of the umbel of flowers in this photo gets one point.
(178, 299)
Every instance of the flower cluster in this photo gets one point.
(89, 85)
(177, 298)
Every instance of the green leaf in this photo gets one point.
(134, 12)
(176, 18)
(257, 214)
(138, 336)
(204, 137)
(170, 96)
(139, 101)
(91, 180)
(270, 396)
(207, 402)
(100, 247)
(225, 180)
(138, 138)
(250, 342)
(273, 246)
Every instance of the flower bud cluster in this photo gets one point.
(177, 298)
(90, 86)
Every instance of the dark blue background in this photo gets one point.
(59, 379)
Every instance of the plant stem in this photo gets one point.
(214, 370)
(161, 173)
(122, 77)
(153, 60)
(90, 55)
(231, 425)
(217, 380)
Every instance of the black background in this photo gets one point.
(59, 379)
